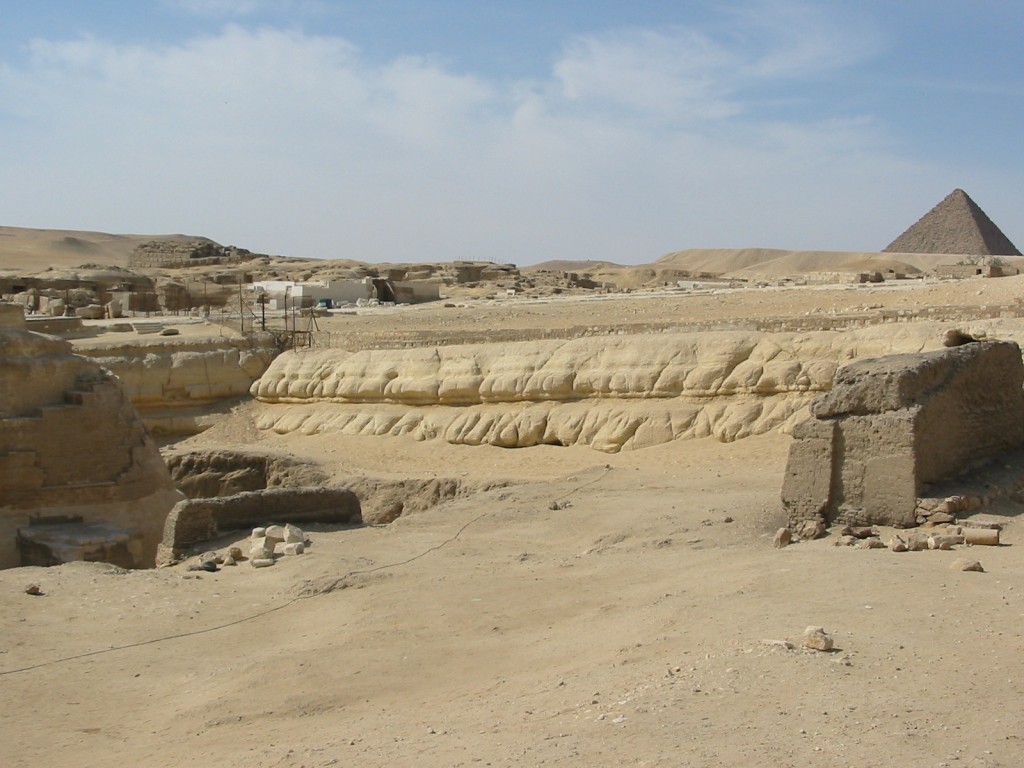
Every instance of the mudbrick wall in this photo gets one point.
(891, 426)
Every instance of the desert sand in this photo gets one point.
(597, 609)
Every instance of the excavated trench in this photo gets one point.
(213, 473)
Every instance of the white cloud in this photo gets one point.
(791, 38)
(638, 143)
(239, 8)
(682, 73)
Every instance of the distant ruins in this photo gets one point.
(893, 425)
(164, 254)
(78, 471)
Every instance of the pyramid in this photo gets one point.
(956, 225)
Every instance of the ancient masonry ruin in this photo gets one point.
(78, 471)
(164, 254)
(194, 521)
(893, 425)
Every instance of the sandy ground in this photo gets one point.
(626, 628)
(603, 610)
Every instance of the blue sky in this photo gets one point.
(515, 131)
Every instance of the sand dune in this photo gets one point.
(770, 263)
(32, 250)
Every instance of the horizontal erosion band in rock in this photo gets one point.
(610, 393)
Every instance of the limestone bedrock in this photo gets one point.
(71, 444)
(612, 392)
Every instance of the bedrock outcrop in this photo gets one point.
(611, 393)
(72, 447)
(173, 384)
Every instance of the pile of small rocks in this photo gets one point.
(944, 535)
(266, 541)
(808, 531)
(937, 511)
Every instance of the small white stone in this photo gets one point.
(275, 532)
(295, 548)
(262, 549)
(261, 562)
(258, 533)
(293, 534)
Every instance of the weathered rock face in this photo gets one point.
(206, 474)
(611, 393)
(892, 425)
(171, 381)
(71, 445)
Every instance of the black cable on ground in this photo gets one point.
(252, 617)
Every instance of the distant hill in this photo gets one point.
(33, 250)
(565, 265)
(767, 263)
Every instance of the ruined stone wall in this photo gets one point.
(893, 425)
(171, 253)
(194, 521)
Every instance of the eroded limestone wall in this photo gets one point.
(167, 378)
(610, 392)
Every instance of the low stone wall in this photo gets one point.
(194, 521)
(891, 426)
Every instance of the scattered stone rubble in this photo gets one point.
(265, 543)
(938, 529)
(814, 639)
(194, 521)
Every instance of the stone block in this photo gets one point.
(807, 483)
(898, 423)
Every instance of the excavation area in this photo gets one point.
(565, 554)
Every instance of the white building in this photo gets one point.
(332, 292)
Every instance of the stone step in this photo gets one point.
(77, 396)
(58, 407)
(73, 486)
(35, 415)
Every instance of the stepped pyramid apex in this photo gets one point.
(957, 225)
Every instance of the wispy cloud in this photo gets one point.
(640, 141)
(797, 39)
(241, 8)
